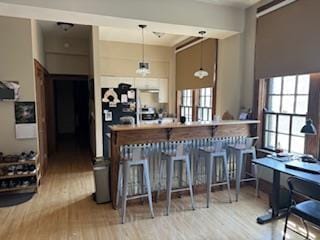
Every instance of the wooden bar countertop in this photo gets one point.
(119, 127)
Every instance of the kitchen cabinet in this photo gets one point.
(146, 83)
(113, 82)
(163, 90)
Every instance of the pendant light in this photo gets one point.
(201, 73)
(143, 69)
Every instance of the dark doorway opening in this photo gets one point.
(71, 95)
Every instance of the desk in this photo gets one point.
(279, 167)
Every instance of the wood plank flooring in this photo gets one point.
(63, 209)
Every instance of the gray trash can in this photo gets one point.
(101, 171)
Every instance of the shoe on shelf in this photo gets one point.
(31, 156)
(1, 157)
(11, 170)
(25, 183)
(12, 184)
(25, 169)
(32, 169)
(19, 169)
(4, 184)
(3, 171)
(23, 157)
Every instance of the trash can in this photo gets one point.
(101, 171)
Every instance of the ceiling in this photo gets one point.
(134, 35)
(77, 31)
(234, 3)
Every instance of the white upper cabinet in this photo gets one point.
(146, 83)
(163, 90)
(113, 82)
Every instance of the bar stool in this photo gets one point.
(211, 154)
(137, 159)
(170, 158)
(241, 149)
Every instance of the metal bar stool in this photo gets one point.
(138, 158)
(211, 154)
(241, 149)
(170, 158)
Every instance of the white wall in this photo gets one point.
(67, 55)
(16, 64)
(181, 13)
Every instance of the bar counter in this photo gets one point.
(149, 135)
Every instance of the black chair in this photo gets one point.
(308, 210)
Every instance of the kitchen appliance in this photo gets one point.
(117, 105)
(148, 113)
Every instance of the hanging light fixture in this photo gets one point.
(201, 73)
(65, 26)
(143, 69)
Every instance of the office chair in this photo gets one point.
(308, 210)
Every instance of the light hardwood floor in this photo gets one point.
(63, 209)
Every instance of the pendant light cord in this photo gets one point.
(143, 45)
(201, 54)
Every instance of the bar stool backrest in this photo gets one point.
(218, 146)
(180, 149)
(137, 154)
(249, 143)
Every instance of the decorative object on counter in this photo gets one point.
(182, 119)
(201, 73)
(111, 97)
(217, 118)
(227, 116)
(309, 128)
(143, 69)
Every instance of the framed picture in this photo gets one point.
(25, 112)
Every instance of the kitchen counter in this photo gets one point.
(151, 135)
(146, 126)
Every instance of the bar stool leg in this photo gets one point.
(119, 185)
(159, 179)
(190, 181)
(147, 181)
(170, 166)
(239, 172)
(124, 190)
(256, 169)
(209, 161)
(226, 170)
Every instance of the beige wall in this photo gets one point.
(37, 42)
(122, 59)
(16, 64)
(229, 79)
(73, 59)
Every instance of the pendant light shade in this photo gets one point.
(309, 128)
(143, 68)
(201, 73)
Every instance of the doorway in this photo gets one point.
(71, 94)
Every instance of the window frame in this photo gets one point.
(280, 113)
(203, 108)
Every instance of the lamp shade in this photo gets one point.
(309, 128)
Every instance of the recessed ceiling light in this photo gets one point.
(159, 34)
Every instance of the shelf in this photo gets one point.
(18, 176)
(17, 163)
(18, 188)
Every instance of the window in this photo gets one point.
(186, 104)
(285, 114)
(205, 104)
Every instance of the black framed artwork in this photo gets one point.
(25, 112)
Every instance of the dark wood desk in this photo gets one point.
(279, 167)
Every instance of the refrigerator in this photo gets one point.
(116, 103)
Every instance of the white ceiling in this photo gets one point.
(133, 35)
(233, 3)
(77, 31)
